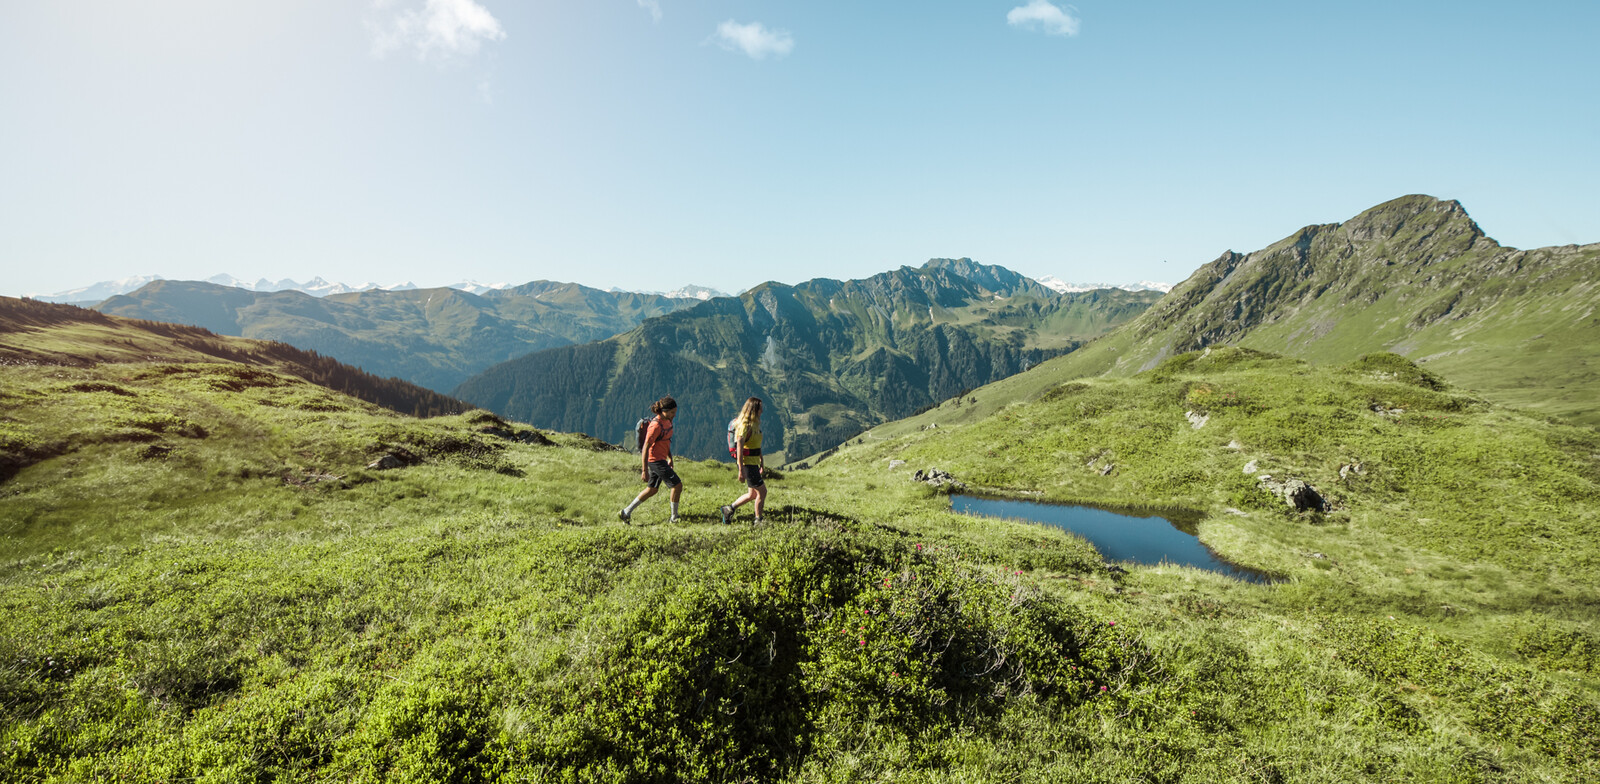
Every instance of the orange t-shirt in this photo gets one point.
(661, 430)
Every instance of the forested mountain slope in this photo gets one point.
(828, 357)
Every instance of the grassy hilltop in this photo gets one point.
(204, 580)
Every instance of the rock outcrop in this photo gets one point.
(1296, 493)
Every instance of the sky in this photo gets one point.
(648, 144)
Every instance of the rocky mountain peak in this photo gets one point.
(1416, 216)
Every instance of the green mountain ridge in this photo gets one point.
(1415, 276)
(830, 358)
(434, 337)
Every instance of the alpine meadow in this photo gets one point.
(234, 560)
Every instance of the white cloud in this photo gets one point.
(1044, 15)
(441, 29)
(653, 6)
(754, 39)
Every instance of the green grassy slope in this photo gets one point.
(210, 584)
(433, 337)
(1414, 276)
(830, 358)
(1454, 572)
(42, 333)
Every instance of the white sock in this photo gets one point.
(674, 508)
(632, 506)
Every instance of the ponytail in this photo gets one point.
(663, 405)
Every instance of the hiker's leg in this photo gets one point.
(643, 494)
(749, 495)
(672, 497)
(760, 492)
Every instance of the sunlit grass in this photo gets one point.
(256, 604)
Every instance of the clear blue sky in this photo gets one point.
(652, 143)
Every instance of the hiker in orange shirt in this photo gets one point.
(655, 455)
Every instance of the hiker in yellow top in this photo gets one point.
(747, 448)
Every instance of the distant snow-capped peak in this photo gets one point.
(99, 291)
(691, 291)
(1053, 282)
(474, 287)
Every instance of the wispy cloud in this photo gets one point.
(440, 30)
(653, 6)
(754, 39)
(1044, 15)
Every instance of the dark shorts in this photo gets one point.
(753, 477)
(660, 472)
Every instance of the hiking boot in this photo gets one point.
(727, 514)
(674, 519)
(625, 517)
(760, 521)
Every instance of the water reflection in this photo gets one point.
(1141, 537)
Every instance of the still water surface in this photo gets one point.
(1152, 539)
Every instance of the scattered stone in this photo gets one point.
(1294, 492)
(1108, 469)
(938, 478)
(893, 464)
(1319, 556)
(1196, 419)
(1349, 468)
(1237, 512)
(1251, 467)
(1235, 445)
(1385, 411)
(930, 426)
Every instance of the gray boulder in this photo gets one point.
(1299, 495)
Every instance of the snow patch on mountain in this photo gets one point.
(98, 291)
(474, 287)
(1053, 282)
(691, 291)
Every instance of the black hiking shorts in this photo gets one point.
(661, 471)
(753, 476)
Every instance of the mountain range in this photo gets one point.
(829, 358)
(434, 337)
(95, 293)
(1415, 276)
